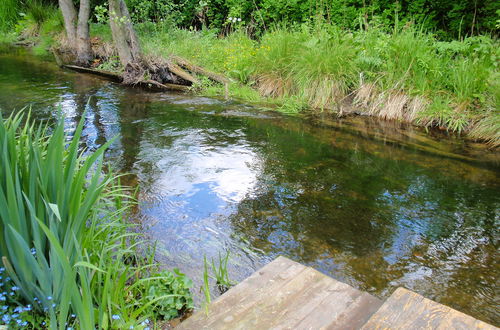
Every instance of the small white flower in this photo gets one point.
(239, 19)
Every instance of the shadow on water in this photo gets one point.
(366, 202)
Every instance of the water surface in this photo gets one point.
(367, 202)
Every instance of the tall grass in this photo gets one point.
(65, 243)
(9, 11)
(406, 74)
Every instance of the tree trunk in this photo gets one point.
(124, 36)
(69, 15)
(83, 49)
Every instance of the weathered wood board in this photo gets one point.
(287, 295)
(408, 310)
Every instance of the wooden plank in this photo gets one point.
(346, 314)
(407, 310)
(312, 300)
(279, 304)
(246, 294)
(286, 295)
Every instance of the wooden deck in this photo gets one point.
(287, 295)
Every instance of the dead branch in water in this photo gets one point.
(175, 69)
(149, 84)
(153, 84)
(105, 74)
(182, 62)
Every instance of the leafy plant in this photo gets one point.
(65, 244)
(169, 291)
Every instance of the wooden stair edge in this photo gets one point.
(406, 309)
(265, 300)
(286, 294)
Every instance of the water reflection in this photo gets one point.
(363, 201)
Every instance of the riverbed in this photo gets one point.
(375, 204)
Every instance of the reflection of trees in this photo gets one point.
(133, 109)
(86, 88)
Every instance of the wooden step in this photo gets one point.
(408, 310)
(287, 295)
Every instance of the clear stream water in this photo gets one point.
(370, 203)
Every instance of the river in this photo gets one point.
(374, 204)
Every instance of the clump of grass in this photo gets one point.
(487, 128)
(219, 274)
(39, 20)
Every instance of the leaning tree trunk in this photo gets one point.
(83, 49)
(69, 15)
(124, 36)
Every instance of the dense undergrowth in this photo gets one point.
(404, 74)
(71, 259)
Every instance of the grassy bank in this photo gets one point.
(406, 75)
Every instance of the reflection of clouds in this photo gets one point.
(67, 104)
(229, 170)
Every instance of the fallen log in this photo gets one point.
(149, 84)
(175, 69)
(153, 84)
(182, 62)
(106, 74)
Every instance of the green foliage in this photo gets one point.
(39, 20)
(8, 13)
(65, 244)
(101, 13)
(206, 284)
(220, 273)
(112, 65)
(169, 292)
(450, 19)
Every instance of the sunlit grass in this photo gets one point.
(405, 75)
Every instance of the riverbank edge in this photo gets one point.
(360, 102)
